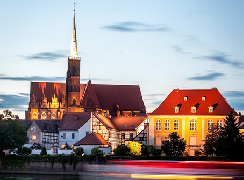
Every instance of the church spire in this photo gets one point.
(73, 49)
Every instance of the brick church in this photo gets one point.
(50, 100)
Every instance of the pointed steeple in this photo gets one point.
(73, 49)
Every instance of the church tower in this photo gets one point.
(73, 75)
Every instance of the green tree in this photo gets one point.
(79, 151)
(230, 142)
(174, 146)
(12, 133)
(43, 151)
(23, 150)
(135, 148)
(96, 151)
(153, 151)
(210, 141)
(121, 151)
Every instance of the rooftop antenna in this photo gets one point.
(74, 6)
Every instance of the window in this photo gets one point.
(176, 125)
(210, 124)
(185, 98)
(210, 109)
(193, 125)
(64, 135)
(87, 132)
(166, 125)
(131, 136)
(219, 124)
(158, 140)
(53, 115)
(132, 126)
(123, 135)
(33, 136)
(43, 115)
(141, 138)
(176, 109)
(158, 125)
(166, 138)
(73, 135)
(203, 98)
(193, 109)
(124, 126)
(90, 103)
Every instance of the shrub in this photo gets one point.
(43, 151)
(79, 151)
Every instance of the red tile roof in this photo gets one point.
(92, 139)
(105, 121)
(194, 98)
(127, 123)
(68, 122)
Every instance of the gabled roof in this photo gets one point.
(127, 123)
(44, 125)
(128, 97)
(105, 121)
(194, 97)
(92, 139)
(74, 120)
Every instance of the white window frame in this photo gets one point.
(158, 141)
(193, 125)
(158, 125)
(176, 125)
(167, 125)
(210, 124)
(219, 123)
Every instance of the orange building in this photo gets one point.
(190, 113)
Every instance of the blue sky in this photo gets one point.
(158, 44)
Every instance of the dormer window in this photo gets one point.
(75, 117)
(132, 126)
(124, 126)
(203, 98)
(193, 109)
(185, 98)
(210, 109)
(176, 109)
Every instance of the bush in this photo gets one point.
(43, 151)
(121, 151)
(79, 151)
(96, 151)
(23, 150)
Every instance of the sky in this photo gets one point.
(159, 45)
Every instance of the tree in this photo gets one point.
(210, 141)
(230, 142)
(79, 151)
(174, 146)
(23, 150)
(12, 133)
(153, 151)
(96, 151)
(121, 151)
(43, 151)
(135, 148)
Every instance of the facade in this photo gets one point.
(190, 113)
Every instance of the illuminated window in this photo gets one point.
(53, 115)
(43, 115)
(210, 109)
(176, 125)
(193, 125)
(193, 109)
(185, 98)
(166, 125)
(176, 109)
(204, 98)
(33, 136)
(219, 124)
(210, 124)
(158, 140)
(158, 125)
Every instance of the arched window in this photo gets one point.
(158, 125)
(193, 125)
(210, 124)
(43, 115)
(166, 124)
(176, 125)
(219, 124)
(53, 115)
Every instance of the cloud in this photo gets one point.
(224, 59)
(33, 78)
(16, 102)
(178, 49)
(46, 56)
(208, 77)
(157, 103)
(129, 26)
(234, 94)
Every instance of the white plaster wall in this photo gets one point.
(38, 151)
(68, 139)
(65, 151)
(85, 128)
(87, 149)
